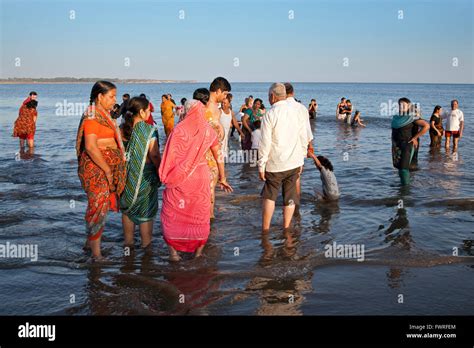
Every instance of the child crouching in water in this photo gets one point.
(328, 179)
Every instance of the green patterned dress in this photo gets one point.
(139, 200)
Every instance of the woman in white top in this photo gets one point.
(227, 120)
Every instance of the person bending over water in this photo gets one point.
(357, 121)
(404, 139)
(328, 179)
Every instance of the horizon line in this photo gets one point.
(190, 81)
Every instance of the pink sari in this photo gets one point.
(185, 213)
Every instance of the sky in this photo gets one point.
(430, 41)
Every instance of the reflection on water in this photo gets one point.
(25, 154)
(279, 296)
(395, 277)
(398, 233)
(325, 210)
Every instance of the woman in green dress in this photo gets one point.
(406, 130)
(139, 200)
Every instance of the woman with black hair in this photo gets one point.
(185, 215)
(101, 158)
(25, 124)
(139, 200)
(436, 127)
(405, 134)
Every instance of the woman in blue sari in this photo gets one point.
(139, 200)
(405, 133)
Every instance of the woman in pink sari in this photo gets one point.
(185, 215)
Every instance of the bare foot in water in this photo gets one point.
(199, 252)
(175, 257)
(97, 259)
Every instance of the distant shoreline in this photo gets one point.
(63, 81)
(18, 81)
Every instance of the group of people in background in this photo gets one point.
(120, 165)
(454, 126)
(344, 113)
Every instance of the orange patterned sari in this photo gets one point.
(25, 123)
(100, 195)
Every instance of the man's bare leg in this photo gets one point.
(298, 192)
(268, 207)
(455, 142)
(447, 143)
(288, 211)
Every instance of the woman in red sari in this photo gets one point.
(101, 162)
(185, 215)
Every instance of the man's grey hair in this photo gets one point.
(278, 90)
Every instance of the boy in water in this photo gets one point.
(328, 179)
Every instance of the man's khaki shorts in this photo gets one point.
(287, 180)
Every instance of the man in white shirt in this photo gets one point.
(454, 125)
(304, 115)
(281, 155)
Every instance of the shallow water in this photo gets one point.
(408, 250)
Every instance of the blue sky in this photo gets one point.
(268, 44)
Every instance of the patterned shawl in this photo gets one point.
(137, 151)
(103, 119)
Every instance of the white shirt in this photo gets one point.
(304, 114)
(453, 119)
(256, 138)
(284, 139)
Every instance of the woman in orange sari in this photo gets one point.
(25, 124)
(102, 167)
(167, 114)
